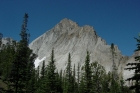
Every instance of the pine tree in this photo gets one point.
(41, 82)
(114, 68)
(136, 67)
(87, 75)
(43, 70)
(78, 77)
(98, 73)
(23, 65)
(51, 75)
(37, 85)
(61, 77)
(58, 83)
(74, 84)
(1, 36)
(106, 79)
(115, 78)
(82, 84)
(61, 82)
(32, 82)
(68, 77)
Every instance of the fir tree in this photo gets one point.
(68, 77)
(114, 68)
(51, 75)
(74, 84)
(135, 66)
(23, 65)
(61, 81)
(43, 70)
(58, 84)
(98, 73)
(78, 77)
(82, 84)
(87, 75)
(1, 36)
(42, 81)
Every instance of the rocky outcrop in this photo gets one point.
(6, 41)
(68, 37)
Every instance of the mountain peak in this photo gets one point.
(67, 22)
(67, 37)
(64, 20)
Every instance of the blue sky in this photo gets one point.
(116, 21)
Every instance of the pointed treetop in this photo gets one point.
(112, 46)
(26, 15)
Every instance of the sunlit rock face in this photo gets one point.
(68, 37)
(5, 41)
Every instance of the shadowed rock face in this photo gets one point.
(68, 37)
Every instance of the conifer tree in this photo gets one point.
(61, 81)
(136, 67)
(32, 82)
(37, 80)
(43, 70)
(1, 36)
(69, 77)
(82, 84)
(78, 77)
(115, 78)
(106, 82)
(42, 80)
(58, 84)
(51, 75)
(98, 73)
(114, 68)
(61, 77)
(41, 86)
(74, 84)
(23, 65)
(87, 75)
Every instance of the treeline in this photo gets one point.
(18, 74)
(90, 78)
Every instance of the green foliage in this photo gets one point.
(98, 72)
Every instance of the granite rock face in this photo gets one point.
(68, 37)
(6, 40)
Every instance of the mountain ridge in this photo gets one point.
(68, 37)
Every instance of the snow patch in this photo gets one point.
(37, 61)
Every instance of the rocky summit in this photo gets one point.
(68, 37)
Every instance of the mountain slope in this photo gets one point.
(68, 37)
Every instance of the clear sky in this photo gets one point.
(116, 21)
